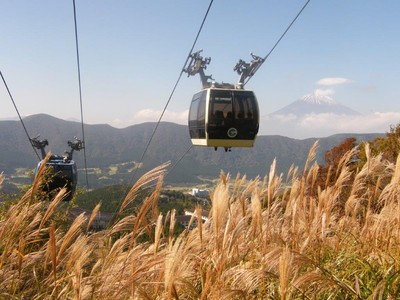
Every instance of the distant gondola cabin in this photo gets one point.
(226, 118)
(63, 174)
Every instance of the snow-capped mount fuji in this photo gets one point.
(318, 98)
(315, 103)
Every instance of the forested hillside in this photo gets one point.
(113, 154)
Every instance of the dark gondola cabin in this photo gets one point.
(220, 117)
(222, 114)
(61, 169)
(62, 174)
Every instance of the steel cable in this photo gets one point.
(174, 88)
(19, 115)
(170, 97)
(276, 44)
(80, 92)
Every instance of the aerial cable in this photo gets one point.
(179, 160)
(19, 115)
(80, 92)
(276, 44)
(175, 86)
(170, 96)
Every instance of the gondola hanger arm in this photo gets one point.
(247, 70)
(196, 65)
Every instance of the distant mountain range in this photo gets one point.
(112, 153)
(315, 103)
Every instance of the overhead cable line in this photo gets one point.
(276, 44)
(19, 115)
(170, 97)
(179, 160)
(175, 86)
(80, 92)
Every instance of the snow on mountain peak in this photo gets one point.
(318, 97)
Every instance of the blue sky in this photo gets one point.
(132, 53)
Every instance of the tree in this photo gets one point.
(388, 146)
(333, 156)
(328, 173)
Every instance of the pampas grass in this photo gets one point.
(264, 239)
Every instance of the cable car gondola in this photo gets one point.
(63, 170)
(222, 117)
(222, 114)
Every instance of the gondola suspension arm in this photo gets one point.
(197, 64)
(246, 70)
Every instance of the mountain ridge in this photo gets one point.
(315, 103)
(107, 146)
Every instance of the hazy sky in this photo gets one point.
(132, 53)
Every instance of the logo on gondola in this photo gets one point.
(232, 132)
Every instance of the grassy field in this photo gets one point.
(281, 237)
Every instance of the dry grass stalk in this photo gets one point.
(143, 181)
(172, 223)
(39, 178)
(52, 206)
(93, 215)
(285, 265)
(157, 233)
(311, 156)
(199, 216)
(261, 241)
(52, 252)
(142, 222)
(71, 234)
(219, 211)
